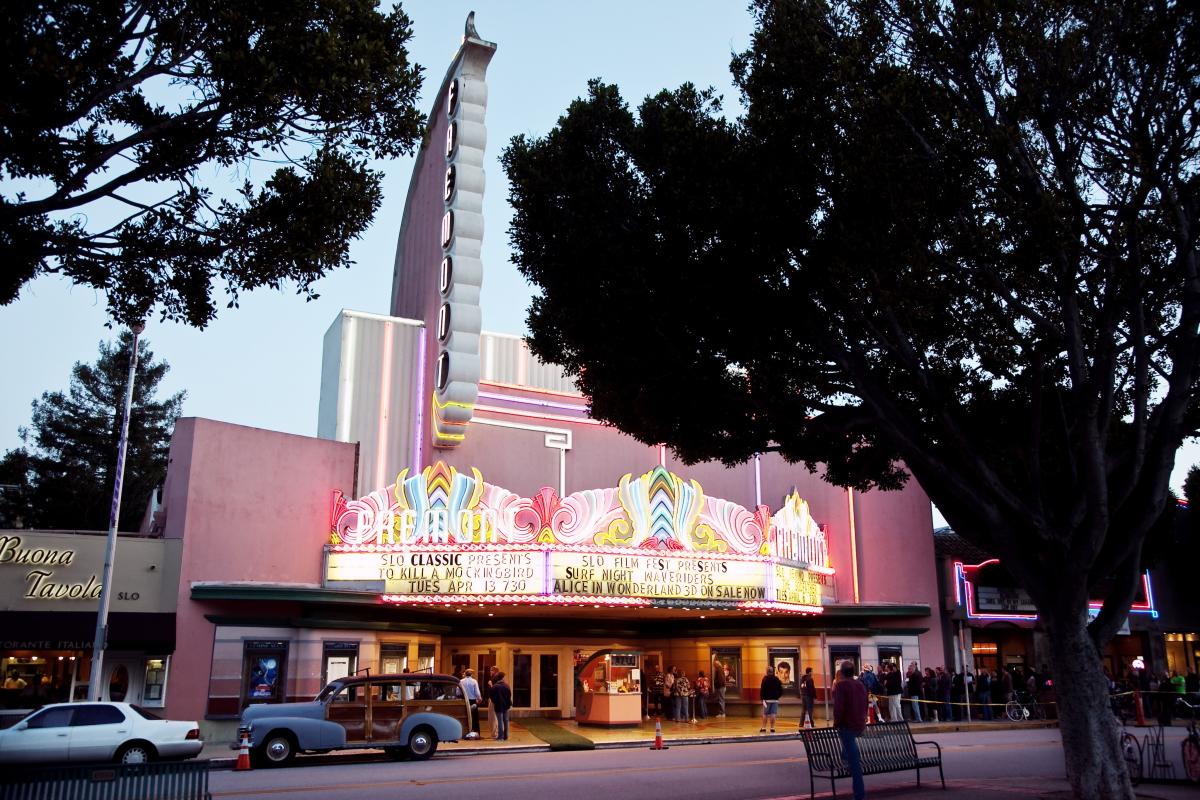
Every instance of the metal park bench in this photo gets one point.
(884, 747)
(159, 780)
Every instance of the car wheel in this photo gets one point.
(277, 750)
(422, 744)
(135, 753)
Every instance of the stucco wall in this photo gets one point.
(250, 505)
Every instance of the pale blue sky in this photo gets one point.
(260, 364)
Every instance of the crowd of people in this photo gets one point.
(945, 694)
(1159, 693)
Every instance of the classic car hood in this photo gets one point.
(309, 710)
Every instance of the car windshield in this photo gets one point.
(328, 690)
(145, 714)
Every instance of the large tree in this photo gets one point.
(62, 478)
(951, 240)
(117, 118)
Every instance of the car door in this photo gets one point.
(387, 710)
(97, 730)
(439, 696)
(348, 708)
(45, 736)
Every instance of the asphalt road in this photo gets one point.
(977, 765)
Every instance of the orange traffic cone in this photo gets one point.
(658, 745)
(243, 761)
(1138, 710)
(872, 712)
(807, 721)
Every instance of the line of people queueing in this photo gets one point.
(942, 693)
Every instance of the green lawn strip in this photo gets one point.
(557, 737)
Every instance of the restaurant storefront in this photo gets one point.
(49, 593)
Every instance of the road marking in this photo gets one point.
(482, 778)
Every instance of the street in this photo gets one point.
(1014, 763)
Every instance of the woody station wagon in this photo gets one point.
(405, 715)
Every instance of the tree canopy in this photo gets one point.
(956, 241)
(117, 117)
(62, 478)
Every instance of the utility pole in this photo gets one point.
(114, 517)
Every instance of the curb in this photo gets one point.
(626, 744)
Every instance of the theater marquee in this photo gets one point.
(443, 536)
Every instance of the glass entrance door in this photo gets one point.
(535, 680)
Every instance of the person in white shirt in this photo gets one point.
(470, 689)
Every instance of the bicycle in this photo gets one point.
(1131, 752)
(1023, 707)
(1191, 746)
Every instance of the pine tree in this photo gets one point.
(62, 478)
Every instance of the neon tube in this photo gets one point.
(529, 401)
(853, 544)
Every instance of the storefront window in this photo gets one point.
(786, 662)
(891, 654)
(340, 660)
(840, 653)
(154, 687)
(393, 658)
(729, 660)
(426, 658)
(263, 671)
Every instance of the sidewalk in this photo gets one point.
(724, 729)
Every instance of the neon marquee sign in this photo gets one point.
(655, 538)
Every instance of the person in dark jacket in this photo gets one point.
(983, 692)
(770, 690)
(957, 682)
(501, 703)
(808, 694)
(912, 688)
(893, 685)
(850, 719)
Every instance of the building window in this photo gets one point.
(729, 661)
(840, 653)
(340, 659)
(393, 658)
(263, 666)
(426, 657)
(786, 662)
(154, 685)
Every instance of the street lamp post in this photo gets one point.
(114, 517)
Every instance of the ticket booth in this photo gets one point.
(608, 689)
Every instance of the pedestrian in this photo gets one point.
(703, 689)
(894, 686)
(944, 679)
(913, 688)
(929, 689)
(493, 723)
(470, 688)
(683, 693)
(668, 693)
(808, 694)
(501, 703)
(656, 692)
(719, 683)
(850, 720)
(957, 685)
(770, 690)
(984, 693)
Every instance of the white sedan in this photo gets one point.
(94, 732)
